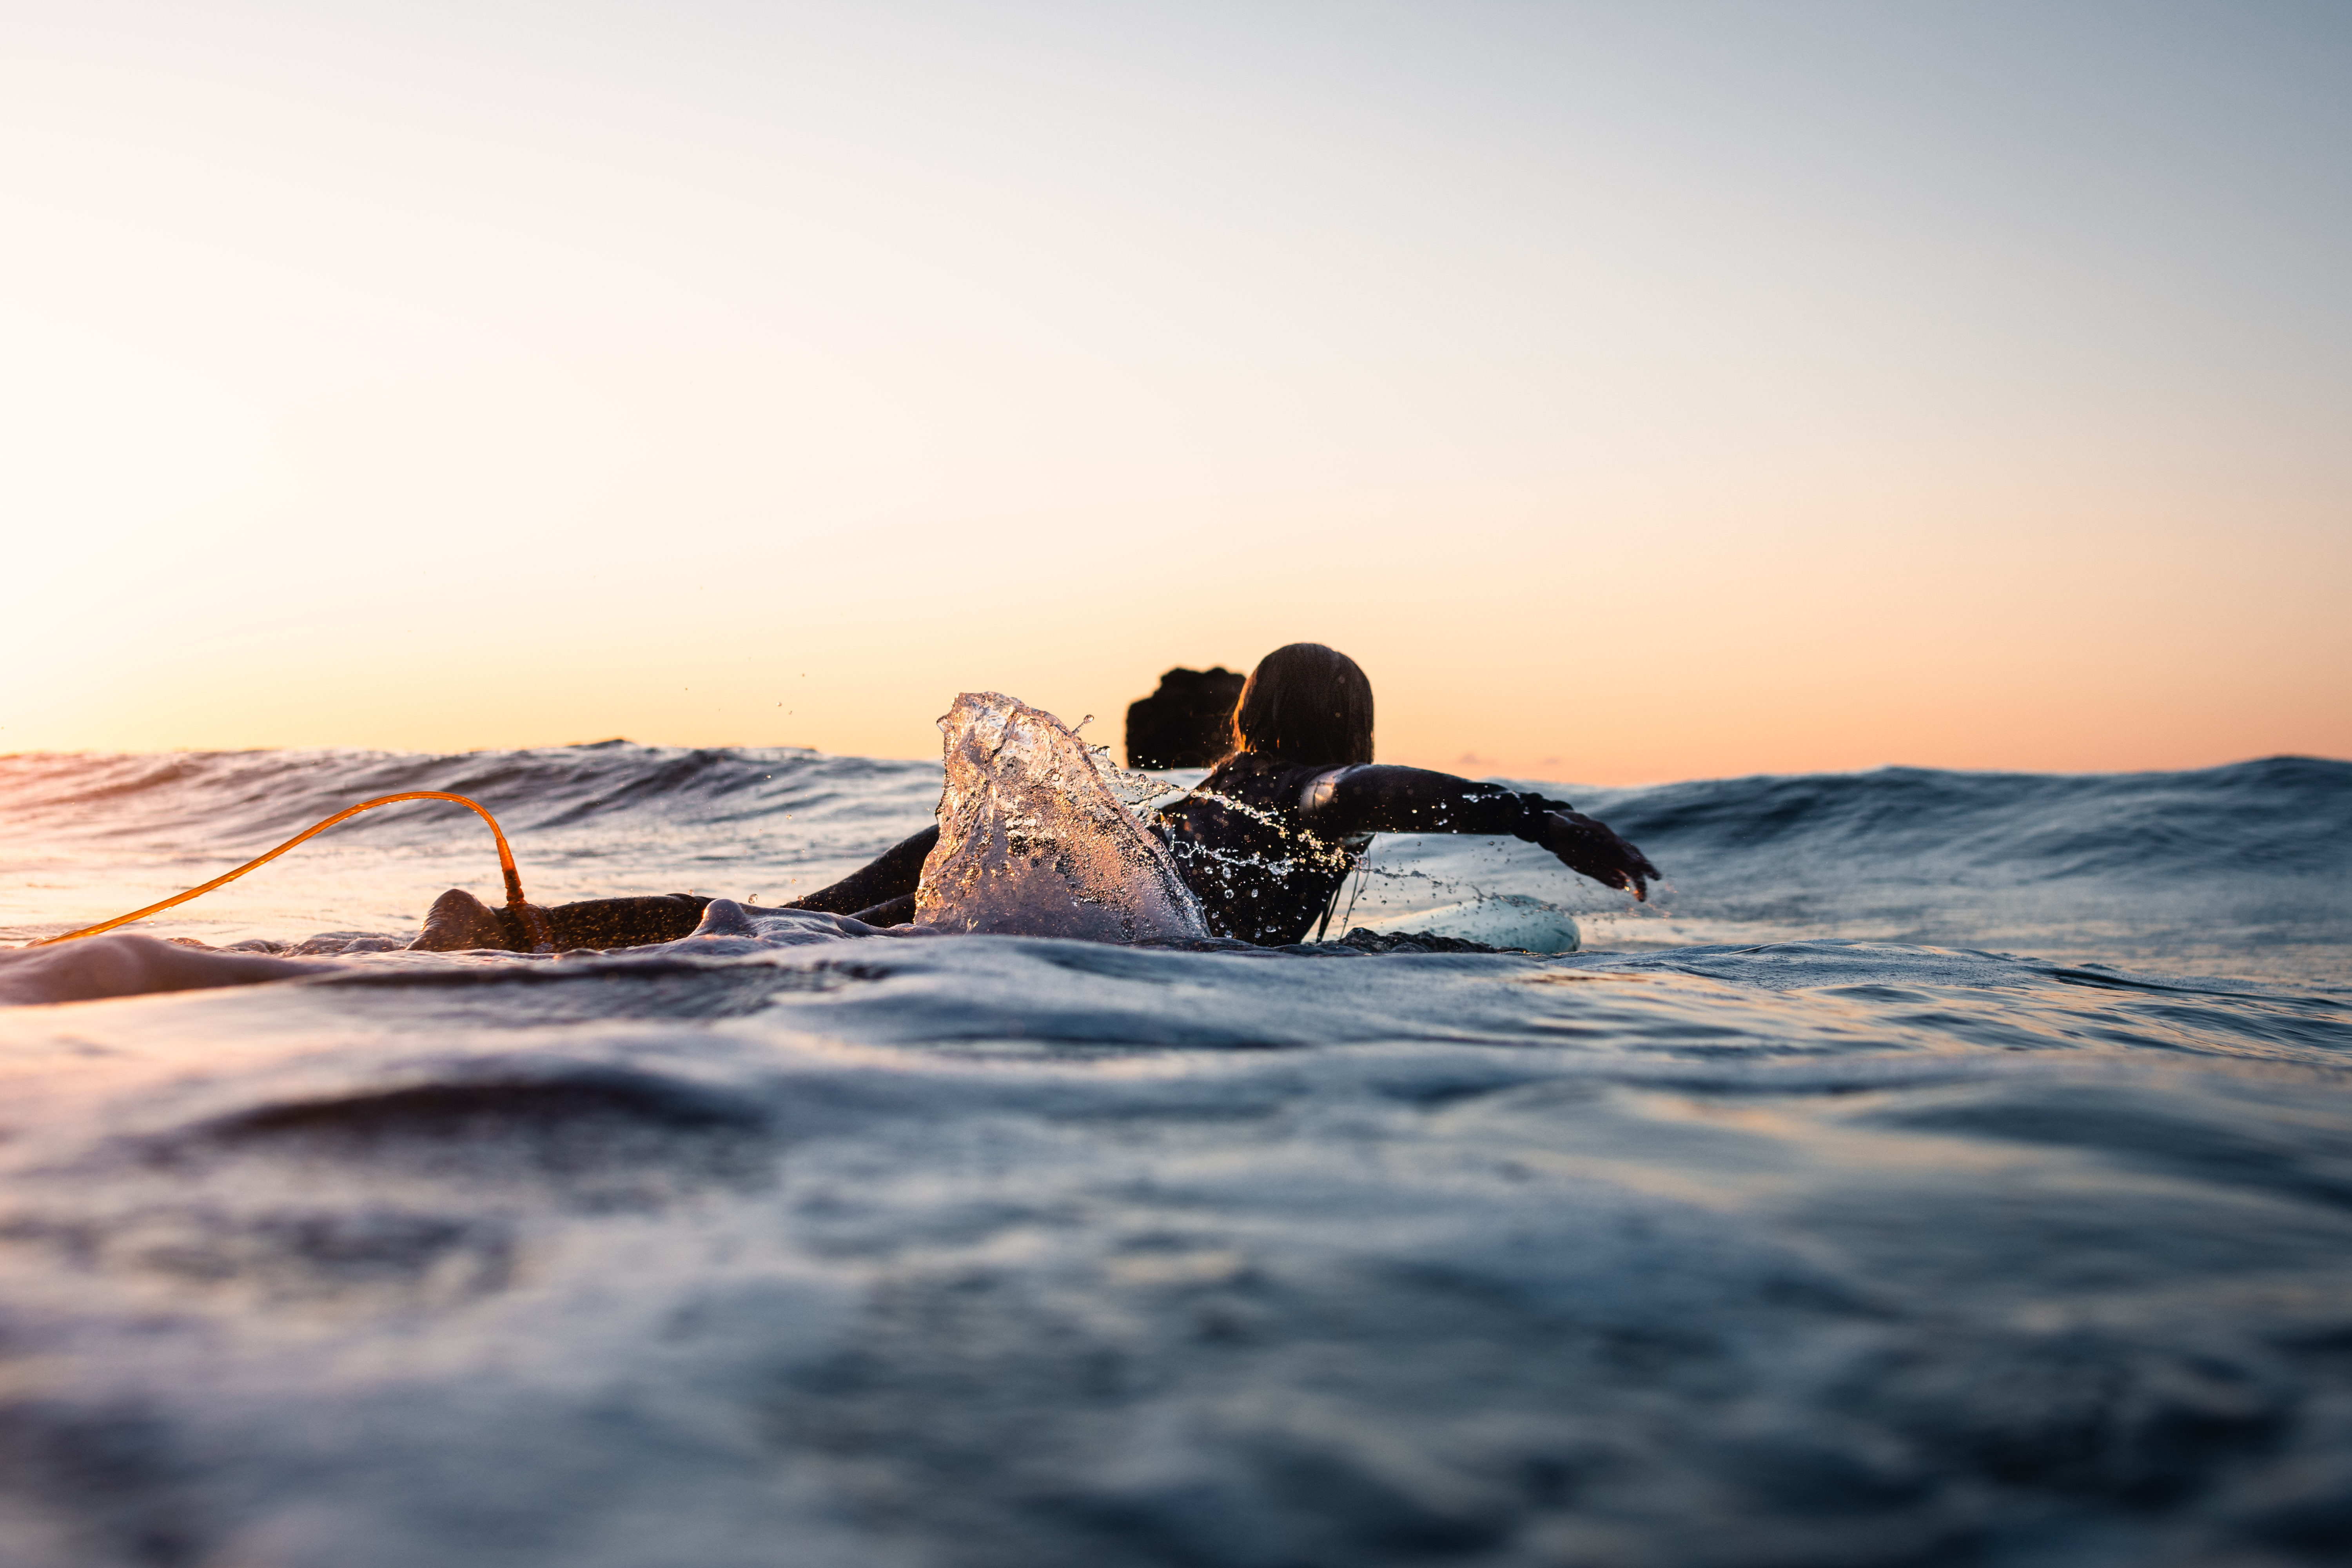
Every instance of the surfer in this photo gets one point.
(1269, 837)
(1265, 841)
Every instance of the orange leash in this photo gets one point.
(533, 919)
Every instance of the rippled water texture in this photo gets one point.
(1951, 1169)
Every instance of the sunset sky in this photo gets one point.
(1638, 392)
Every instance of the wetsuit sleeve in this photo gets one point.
(1377, 799)
(890, 874)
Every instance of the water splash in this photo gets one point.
(1140, 793)
(1034, 842)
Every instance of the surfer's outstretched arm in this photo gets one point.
(1374, 798)
(887, 878)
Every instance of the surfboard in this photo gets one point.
(1507, 920)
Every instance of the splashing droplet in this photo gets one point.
(1034, 842)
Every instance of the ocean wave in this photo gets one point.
(2277, 817)
(2281, 823)
(982, 1250)
(1953, 1168)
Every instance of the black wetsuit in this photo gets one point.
(1265, 844)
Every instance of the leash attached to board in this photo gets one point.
(533, 919)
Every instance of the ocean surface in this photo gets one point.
(1945, 1168)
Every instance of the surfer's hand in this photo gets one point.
(1594, 850)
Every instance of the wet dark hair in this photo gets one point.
(1306, 703)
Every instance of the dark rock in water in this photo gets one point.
(1187, 722)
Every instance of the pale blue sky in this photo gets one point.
(1637, 391)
